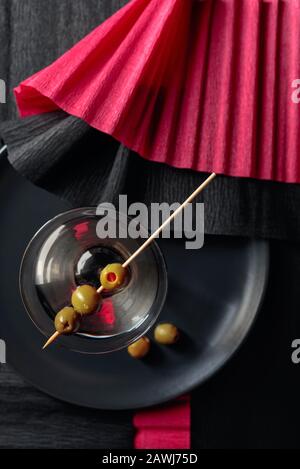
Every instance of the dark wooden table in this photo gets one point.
(254, 401)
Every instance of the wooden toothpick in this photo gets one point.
(151, 238)
(169, 219)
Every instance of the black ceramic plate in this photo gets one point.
(214, 295)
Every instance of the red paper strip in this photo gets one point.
(205, 85)
(164, 427)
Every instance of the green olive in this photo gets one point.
(139, 348)
(67, 321)
(112, 276)
(166, 334)
(85, 299)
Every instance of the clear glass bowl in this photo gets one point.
(67, 252)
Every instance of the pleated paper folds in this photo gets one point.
(205, 85)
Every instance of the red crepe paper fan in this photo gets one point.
(204, 85)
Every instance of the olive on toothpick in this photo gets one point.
(67, 321)
(112, 276)
(85, 300)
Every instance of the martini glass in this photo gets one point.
(67, 252)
